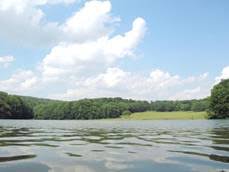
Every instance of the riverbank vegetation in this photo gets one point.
(21, 107)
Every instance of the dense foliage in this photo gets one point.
(13, 107)
(89, 108)
(20, 107)
(182, 105)
(219, 101)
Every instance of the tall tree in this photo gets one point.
(219, 100)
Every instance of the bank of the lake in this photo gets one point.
(179, 115)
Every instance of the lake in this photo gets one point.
(106, 145)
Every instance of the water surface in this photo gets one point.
(124, 146)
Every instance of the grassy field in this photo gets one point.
(151, 115)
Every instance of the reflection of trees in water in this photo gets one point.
(220, 136)
(220, 142)
(15, 158)
(214, 157)
(14, 132)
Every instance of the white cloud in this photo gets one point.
(162, 78)
(21, 5)
(23, 80)
(224, 74)
(111, 78)
(24, 23)
(84, 59)
(21, 23)
(118, 83)
(85, 49)
(194, 93)
(5, 61)
(91, 57)
(90, 22)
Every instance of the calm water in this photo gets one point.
(126, 146)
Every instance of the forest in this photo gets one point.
(22, 107)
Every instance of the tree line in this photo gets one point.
(21, 107)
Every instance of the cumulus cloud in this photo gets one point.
(224, 74)
(194, 93)
(23, 22)
(93, 56)
(83, 59)
(5, 61)
(21, 5)
(111, 78)
(158, 84)
(90, 22)
(85, 47)
(23, 80)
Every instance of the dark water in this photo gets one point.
(126, 146)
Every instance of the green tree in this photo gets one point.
(219, 100)
(200, 105)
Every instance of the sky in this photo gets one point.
(147, 50)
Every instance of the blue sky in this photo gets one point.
(177, 50)
(185, 37)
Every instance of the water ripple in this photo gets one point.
(63, 144)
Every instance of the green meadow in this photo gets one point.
(152, 115)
